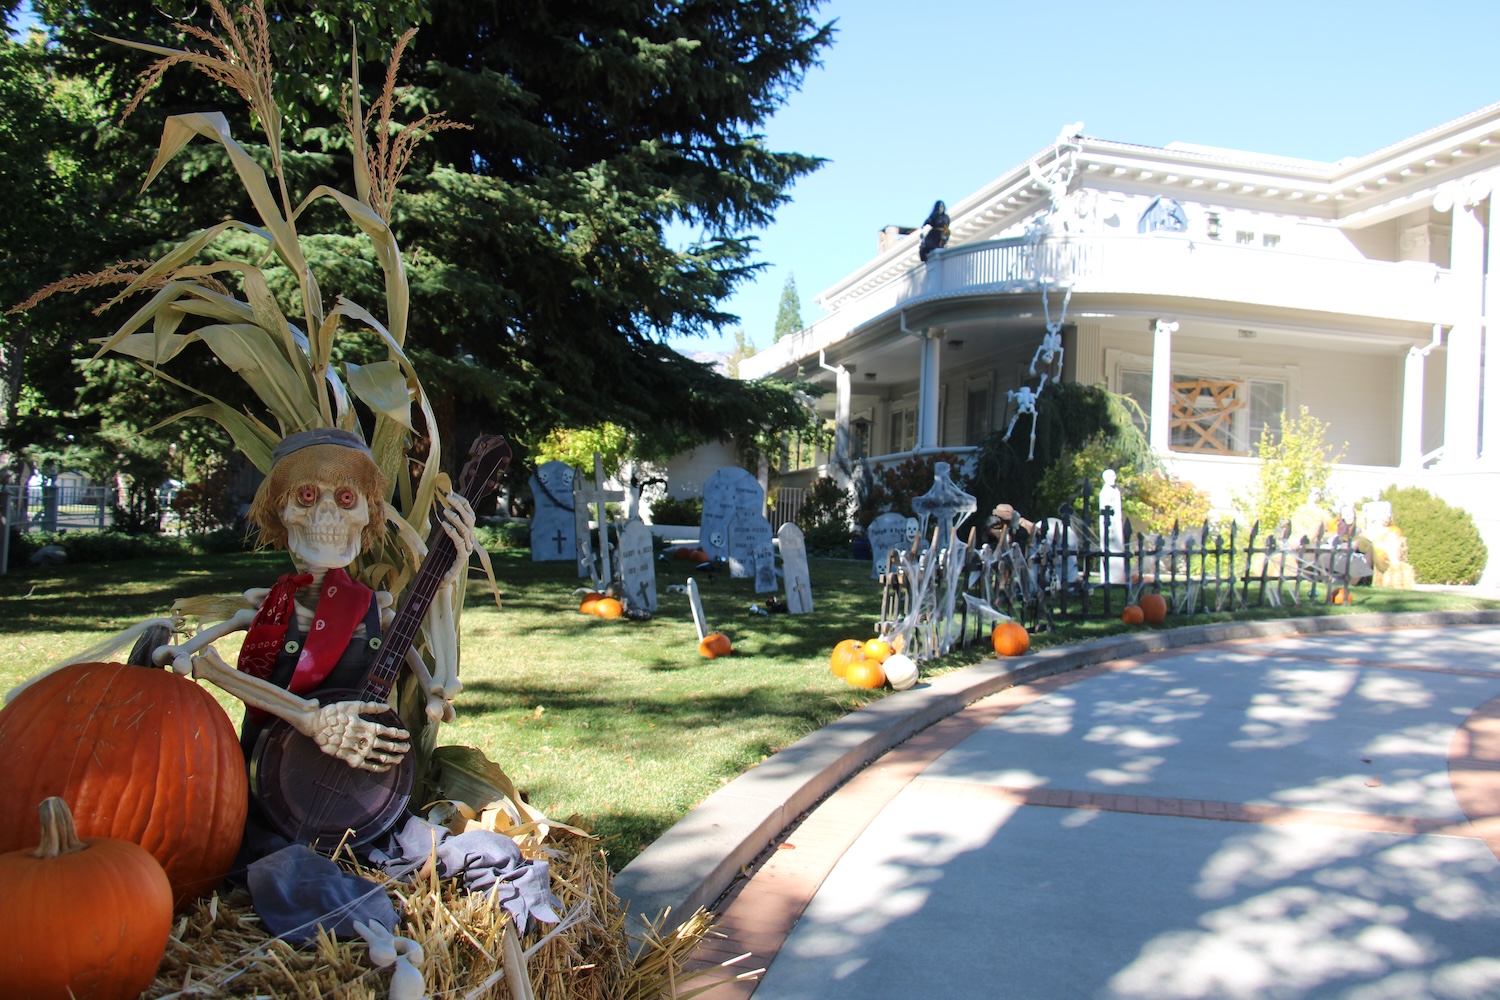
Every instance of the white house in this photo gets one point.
(1215, 286)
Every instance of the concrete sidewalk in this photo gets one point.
(1291, 816)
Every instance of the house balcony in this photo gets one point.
(1155, 268)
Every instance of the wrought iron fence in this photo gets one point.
(1057, 570)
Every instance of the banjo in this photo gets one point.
(312, 798)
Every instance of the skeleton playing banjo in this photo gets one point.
(338, 759)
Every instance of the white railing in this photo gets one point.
(1155, 265)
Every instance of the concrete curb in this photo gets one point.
(694, 862)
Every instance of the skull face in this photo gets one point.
(716, 539)
(323, 524)
(912, 527)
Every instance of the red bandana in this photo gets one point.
(341, 607)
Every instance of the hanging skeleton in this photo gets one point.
(1050, 353)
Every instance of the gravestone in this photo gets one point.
(794, 569)
(553, 528)
(886, 532)
(1112, 535)
(765, 570)
(727, 492)
(695, 602)
(638, 565)
(748, 531)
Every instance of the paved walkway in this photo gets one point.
(1298, 817)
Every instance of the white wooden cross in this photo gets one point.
(600, 496)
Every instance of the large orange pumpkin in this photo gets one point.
(82, 918)
(1154, 608)
(1132, 615)
(1010, 639)
(141, 754)
(865, 674)
(848, 652)
(714, 645)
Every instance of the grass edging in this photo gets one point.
(694, 862)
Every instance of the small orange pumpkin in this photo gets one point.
(1132, 615)
(878, 649)
(865, 674)
(1154, 607)
(714, 645)
(1010, 639)
(82, 918)
(846, 653)
(608, 607)
(590, 603)
(1341, 596)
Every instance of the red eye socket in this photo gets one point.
(307, 495)
(346, 498)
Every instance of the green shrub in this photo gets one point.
(826, 518)
(95, 546)
(504, 535)
(1159, 499)
(1442, 542)
(1291, 469)
(677, 510)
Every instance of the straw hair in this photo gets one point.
(326, 463)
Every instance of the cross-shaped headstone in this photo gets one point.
(600, 496)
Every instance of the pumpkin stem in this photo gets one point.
(59, 832)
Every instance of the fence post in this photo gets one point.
(6, 492)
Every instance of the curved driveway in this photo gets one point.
(1297, 817)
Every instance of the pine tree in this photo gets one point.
(789, 312)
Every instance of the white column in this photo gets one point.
(1491, 442)
(927, 399)
(841, 427)
(1161, 387)
(1411, 409)
(1461, 406)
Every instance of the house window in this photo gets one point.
(903, 430)
(859, 439)
(1244, 237)
(1216, 416)
(1270, 240)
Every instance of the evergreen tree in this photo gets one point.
(543, 283)
(789, 312)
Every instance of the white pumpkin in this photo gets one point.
(900, 671)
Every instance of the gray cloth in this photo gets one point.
(295, 890)
(485, 861)
(318, 435)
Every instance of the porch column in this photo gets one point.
(1461, 407)
(841, 463)
(1161, 387)
(928, 389)
(1411, 409)
(1491, 440)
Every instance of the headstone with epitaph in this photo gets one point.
(727, 492)
(765, 569)
(886, 532)
(794, 573)
(638, 565)
(553, 529)
(748, 531)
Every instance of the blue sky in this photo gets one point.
(916, 102)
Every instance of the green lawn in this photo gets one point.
(621, 723)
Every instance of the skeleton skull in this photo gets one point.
(716, 539)
(323, 524)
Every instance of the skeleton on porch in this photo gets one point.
(324, 502)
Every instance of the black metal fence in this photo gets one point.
(1058, 571)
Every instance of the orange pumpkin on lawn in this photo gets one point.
(846, 653)
(590, 603)
(1154, 607)
(608, 607)
(1010, 639)
(714, 645)
(865, 674)
(1133, 615)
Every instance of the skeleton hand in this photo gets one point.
(340, 731)
(458, 522)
